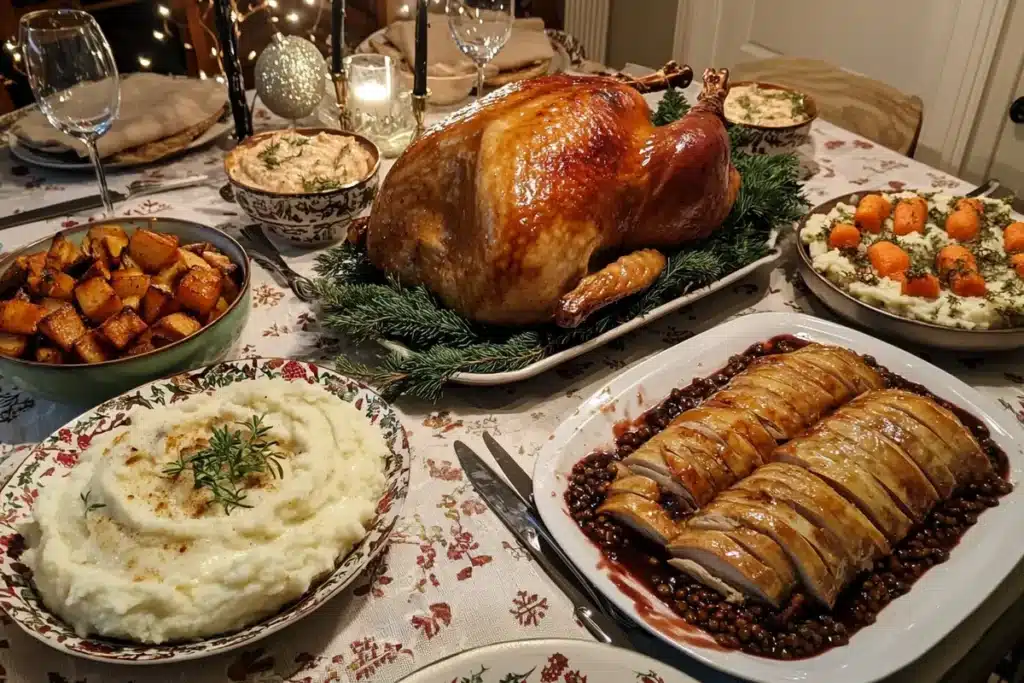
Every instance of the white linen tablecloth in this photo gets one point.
(454, 577)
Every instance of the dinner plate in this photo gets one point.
(889, 324)
(548, 659)
(565, 355)
(60, 162)
(909, 626)
(57, 455)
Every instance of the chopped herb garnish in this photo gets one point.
(269, 155)
(89, 507)
(320, 184)
(297, 141)
(231, 462)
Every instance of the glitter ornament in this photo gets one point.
(290, 76)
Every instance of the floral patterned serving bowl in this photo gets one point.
(765, 139)
(308, 219)
(59, 453)
(87, 384)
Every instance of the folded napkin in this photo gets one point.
(526, 46)
(153, 107)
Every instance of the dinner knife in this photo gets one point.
(516, 515)
(137, 188)
(516, 475)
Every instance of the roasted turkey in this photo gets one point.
(548, 199)
(801, 472)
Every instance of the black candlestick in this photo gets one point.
(232, 69)
(419, 84)
(337, 34)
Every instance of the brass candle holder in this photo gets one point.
(341, 92)
(419, 109)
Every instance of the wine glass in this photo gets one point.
(73, 77)
(480, 29)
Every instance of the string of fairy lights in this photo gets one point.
(174, 22)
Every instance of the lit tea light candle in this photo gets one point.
(372, 98)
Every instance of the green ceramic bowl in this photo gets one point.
(89, 384)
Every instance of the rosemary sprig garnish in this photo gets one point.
(230, 462)
(319, 184)
(89, 507)
(269, 155)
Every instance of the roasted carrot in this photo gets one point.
(972, 203)
(963, 224)
(967, 283)
(910, 216)
(872, 210)
(1013, 237)
(954, 258)
(1017, 261)
(925, 286)
(843, 235)
(887, 258)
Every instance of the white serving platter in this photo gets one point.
(906, 628)
(565, 355)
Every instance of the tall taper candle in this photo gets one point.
(232, 69)
(419, 84)
(337, 34)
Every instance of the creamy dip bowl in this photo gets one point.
(304, 184)
(136, 542)
(777, 118)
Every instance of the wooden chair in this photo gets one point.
(868, 107)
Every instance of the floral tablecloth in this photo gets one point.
(454, 578)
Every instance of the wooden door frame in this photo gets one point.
(949, 120)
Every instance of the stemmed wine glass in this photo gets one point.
(480, 29)
(73, 77)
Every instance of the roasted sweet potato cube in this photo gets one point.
(51, 304)
(129, 283)
(48, 354)
(199, 247)
(192, 260)
(217, 311)
(170, 274)
(144, 343)
(98, 232)
(114, 245)
(97, 299)
(132, 302)
(157, 302)
(52, 283)
(98, 268)
(63, 327)
(92, 348)
(199, 289)
(20, 317)
(97, 246)
(63, 253)
(220, 262)
(230, 290)
(152, 250)
(19, 271)
(128, 263)
(175, 326)
(122, 329)
(12, 345)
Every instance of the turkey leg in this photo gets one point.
(669, 76)
(626, 275)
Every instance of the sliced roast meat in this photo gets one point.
(842, 364)
(701, 575)
(646, 517)
(730, 563)
(779, 418)
(813, 374)
(768, 551)
(970, 461)
(728, 515)
(854, 483)
(649, 462)
(641, 485)
(810, 400)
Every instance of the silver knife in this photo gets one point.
(136, 188)
(515, 474)
(523, 524)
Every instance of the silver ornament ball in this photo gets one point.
(290, 76)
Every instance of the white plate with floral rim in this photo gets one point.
(908, 627)
(59, 453)
(548, 659)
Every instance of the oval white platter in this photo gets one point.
(905, 629)
(548, 659)
(56, 455)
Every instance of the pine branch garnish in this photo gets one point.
(231, 462)
(357, 300)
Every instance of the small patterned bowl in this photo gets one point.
(307, 219)
(777, 139)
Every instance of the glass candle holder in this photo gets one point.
(378, 106)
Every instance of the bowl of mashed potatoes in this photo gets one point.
(306, 185)
(201, 512)
(777, 118)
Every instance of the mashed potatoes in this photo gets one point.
(122, 549)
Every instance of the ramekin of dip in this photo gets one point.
(305, 185)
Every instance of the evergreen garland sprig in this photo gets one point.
(356, 300)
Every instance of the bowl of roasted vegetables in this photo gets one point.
(96, 310)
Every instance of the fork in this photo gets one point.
(264, 251)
